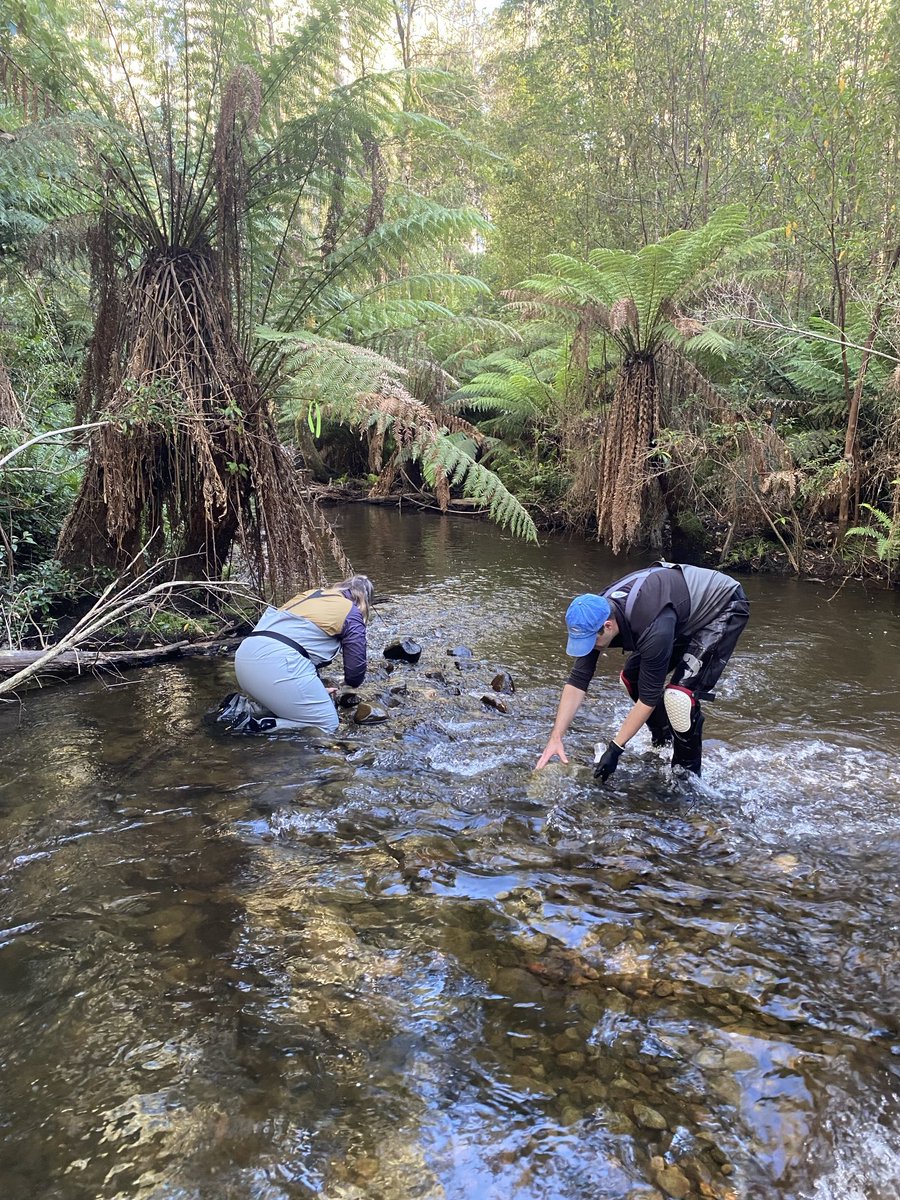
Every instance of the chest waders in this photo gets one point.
(697, 662)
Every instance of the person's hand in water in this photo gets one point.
(607, 762)
(554, 748)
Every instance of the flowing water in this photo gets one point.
(397, 964)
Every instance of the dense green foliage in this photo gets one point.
(633, 269)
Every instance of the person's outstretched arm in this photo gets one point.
(353, 648)
(569, 704)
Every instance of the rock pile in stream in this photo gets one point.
(403, 687)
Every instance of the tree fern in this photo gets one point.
(364, 390)
(633, 302)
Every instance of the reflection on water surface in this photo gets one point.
(399, 965)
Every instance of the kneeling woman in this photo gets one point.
(277, 664)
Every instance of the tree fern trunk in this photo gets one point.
(850, 476)
(627, 438)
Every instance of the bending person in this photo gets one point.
(672, 618)
(277, 664)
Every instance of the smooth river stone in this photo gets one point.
(367, 714)
(405, 651)
(674, 1182)
(648, 1117)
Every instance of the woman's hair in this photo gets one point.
(361, 592)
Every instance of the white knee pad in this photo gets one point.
(679, 704)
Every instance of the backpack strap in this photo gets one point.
(279, 637)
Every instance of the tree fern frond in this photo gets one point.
(709, 342)
(479, 483)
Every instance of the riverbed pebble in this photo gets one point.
(648, 1117)
(673, 1182)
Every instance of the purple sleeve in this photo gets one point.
(353, 647)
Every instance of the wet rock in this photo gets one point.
(610, 936)
(366, 1168)
(347, 700)
(682, 1143)
(523, 898)
(590, 1008)
(466, 666)
(437, 676)
(620, 880)
(563, 966)
(400, 689)
(503, 682)
(739, 1060)
(460, 652)
(368, 714)
(673, 1182)
(593, 1091)
(622, 1087)
(530, 942)
(787, 862)
(490, 701)
(405, 651)
(648, 1117)
(709, 1058)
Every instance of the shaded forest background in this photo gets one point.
(627, 270)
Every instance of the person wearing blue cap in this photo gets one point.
(670, 617)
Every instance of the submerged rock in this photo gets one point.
(367, 714)
(490, 701)
(563, 966)
(460, 652)
(405, 651)
(674, 1182)
(648, 1117)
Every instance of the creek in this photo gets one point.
(396, 964)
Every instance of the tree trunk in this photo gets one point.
(79, 662)
(849, 477)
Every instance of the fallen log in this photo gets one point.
(79, 662)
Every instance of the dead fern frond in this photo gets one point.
(10, 413)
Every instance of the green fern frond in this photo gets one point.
(709, 342)
(479, 483)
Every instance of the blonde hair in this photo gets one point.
(361, 592)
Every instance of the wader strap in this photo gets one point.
(280, 637)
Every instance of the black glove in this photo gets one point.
(608, 761)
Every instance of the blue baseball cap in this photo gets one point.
(584, 618)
